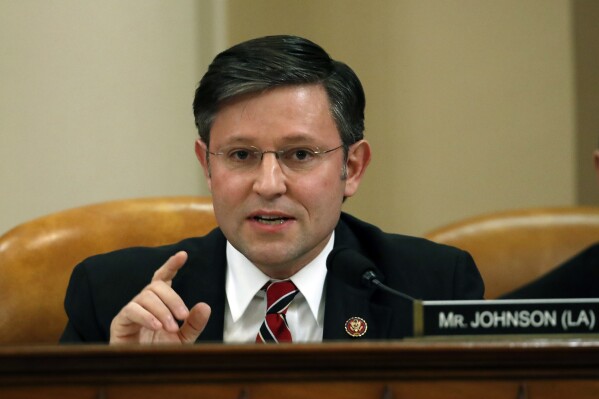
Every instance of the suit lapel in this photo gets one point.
(202, 279)
(343, 303)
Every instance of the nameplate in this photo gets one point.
(505, 317)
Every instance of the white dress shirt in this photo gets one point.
(245, 307)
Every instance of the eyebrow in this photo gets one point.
(299, 138)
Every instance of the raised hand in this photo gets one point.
(151, 317)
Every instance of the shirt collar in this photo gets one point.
(244, 280)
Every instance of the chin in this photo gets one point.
(273, 265)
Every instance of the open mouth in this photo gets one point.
(272, 220)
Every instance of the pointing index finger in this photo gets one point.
(169, 269)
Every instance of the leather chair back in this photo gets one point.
(37, 257)
(513, 248)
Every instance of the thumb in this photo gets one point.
(195, 323)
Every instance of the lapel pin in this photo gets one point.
(356, 327)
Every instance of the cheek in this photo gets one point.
(227, 198)
(226, 188)
(325, 190)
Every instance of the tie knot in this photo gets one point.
(279, 295)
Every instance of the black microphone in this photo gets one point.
(358, 271)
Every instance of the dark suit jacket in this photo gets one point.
(101, 285)
(576, 278)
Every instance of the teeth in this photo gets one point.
(270, 219)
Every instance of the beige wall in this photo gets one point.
(95, 100)
(586, 34)
(470, 104)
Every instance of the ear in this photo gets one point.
(201, 154)
(358, 158)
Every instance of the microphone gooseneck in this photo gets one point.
(358, 271)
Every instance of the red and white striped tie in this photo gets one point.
(274, 329)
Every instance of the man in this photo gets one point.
(281, 145)
(578, 277)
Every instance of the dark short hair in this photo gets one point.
(272, 61)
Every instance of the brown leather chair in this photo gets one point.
(515, 247)
(37, 257)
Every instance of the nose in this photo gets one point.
(270, 179)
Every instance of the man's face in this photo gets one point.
(279, 218)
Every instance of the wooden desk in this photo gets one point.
(556, 368)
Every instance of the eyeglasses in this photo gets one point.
(294, 158)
